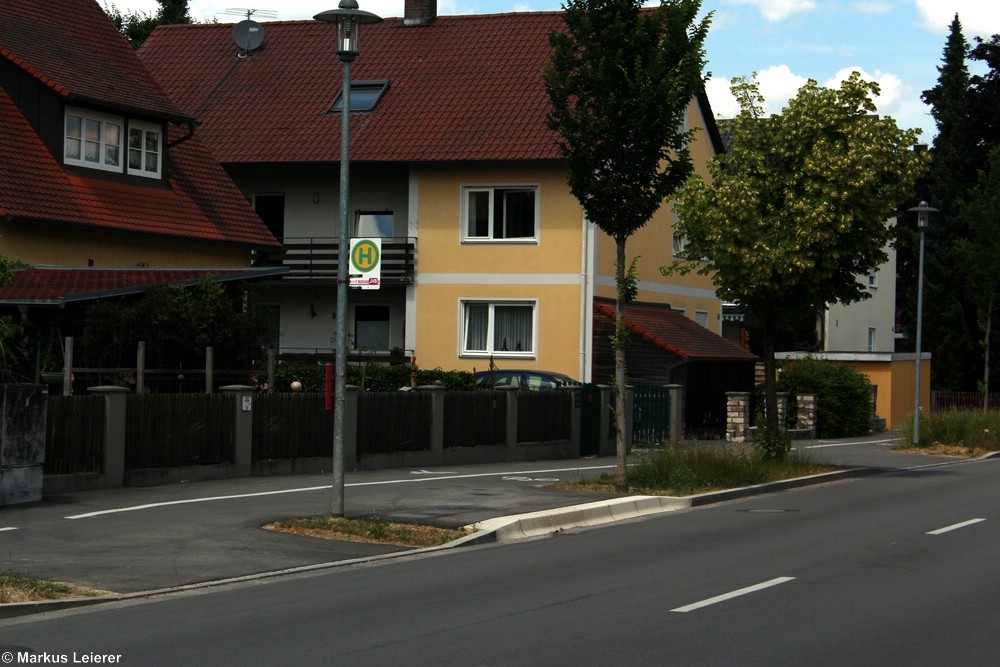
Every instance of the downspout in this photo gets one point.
(190, 133)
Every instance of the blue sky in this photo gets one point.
(898, 43)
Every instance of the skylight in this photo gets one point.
(364, 96)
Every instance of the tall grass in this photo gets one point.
(686, 468)
(972, 429)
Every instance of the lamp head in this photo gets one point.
(349, 20)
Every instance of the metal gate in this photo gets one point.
(650, 414)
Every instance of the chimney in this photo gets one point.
(419, 12)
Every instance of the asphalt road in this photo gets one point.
(889, 569)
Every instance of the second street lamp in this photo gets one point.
(923, 212)
(349, 20)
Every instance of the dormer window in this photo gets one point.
(96, 141)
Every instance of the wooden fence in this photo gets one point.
(280, 432)
(962, 400)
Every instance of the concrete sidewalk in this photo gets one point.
(141, 541)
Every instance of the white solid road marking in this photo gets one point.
(955, 526)
(733, 594)
(8, 528)
(409, 480)
(849, 444)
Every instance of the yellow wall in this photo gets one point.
(548, 271)
(69, 247)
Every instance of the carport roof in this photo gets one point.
(57, 286)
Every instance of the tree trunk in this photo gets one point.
(986, 356)
(770, 379)
(621, 479)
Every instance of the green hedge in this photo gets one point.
(844, 395)
(369, 377)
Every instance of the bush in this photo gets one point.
(844, 395)
(369, 377)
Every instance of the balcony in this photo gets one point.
(316, 258)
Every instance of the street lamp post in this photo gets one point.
(923, 212)
(349, 20)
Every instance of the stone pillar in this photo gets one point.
(782, 409)
(23, 415)
(807, 414)
(243, 438)
(114, 433)
(737, 415)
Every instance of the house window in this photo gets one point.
(873, 279)
(364, 96)
(500, 214)
(371, 328)
(871, 339)
(93, 140)
(374, 224)
(500, 328)
(701, 317)
(145, 149)
(679, 241)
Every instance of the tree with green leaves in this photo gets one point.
(978, 255)
(619, 79)
(137, 26)
(797, 210)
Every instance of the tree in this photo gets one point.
(797, 210)
(619, 79)
(978, 254)
(137, 26)
(957, 155)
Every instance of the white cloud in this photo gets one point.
(777, 10)
(978, 17)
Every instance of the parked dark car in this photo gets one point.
(522, 379)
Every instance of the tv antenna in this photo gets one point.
(248, 35)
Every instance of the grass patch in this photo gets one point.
(953, 432)
(686, 469)
(368, 530)
(16, 587)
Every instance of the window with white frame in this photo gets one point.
(873, 279)
(701, 317)
(145, 147)
(93, 140)
(101, 141)
(871, 340)
(679, 241)
(500, 213)
(501, 328)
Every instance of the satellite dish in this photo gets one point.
(248, 36)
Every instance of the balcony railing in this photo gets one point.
(316, 257)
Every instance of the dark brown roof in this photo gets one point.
(83, 57)
(75, 49)
(462, 88)
(673, 331)
(56, 286)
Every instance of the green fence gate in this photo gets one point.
(650, 414)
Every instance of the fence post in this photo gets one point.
(243, 438)
(68, 368)
(676, 394)
(782, 410)
(114, 433)
(737, 415)
(437, 420)
(510, 393)
(608, 443)
(140, 368)
(209, 368)
(574, 425)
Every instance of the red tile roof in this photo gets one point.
(83, 57)
(462, 88)
(673, 331)
(56, 286)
